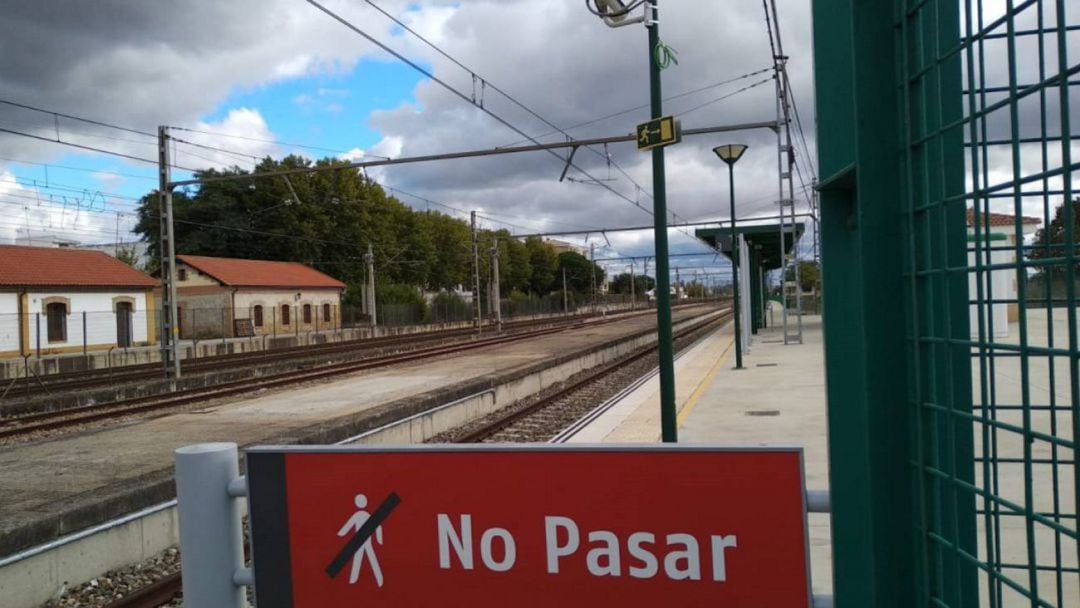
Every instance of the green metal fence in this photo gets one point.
(949, 248)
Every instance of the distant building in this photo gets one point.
(233, 297)
(60, 300)
(1000, 250)
(563, 247)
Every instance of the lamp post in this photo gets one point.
(730, 154)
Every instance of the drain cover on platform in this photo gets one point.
(763, 412)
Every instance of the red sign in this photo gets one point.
(528, 526)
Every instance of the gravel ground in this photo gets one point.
(117, 583)
(554, 417)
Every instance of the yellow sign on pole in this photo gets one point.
(662, 131)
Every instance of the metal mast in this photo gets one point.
(785, 156)
(170, 331)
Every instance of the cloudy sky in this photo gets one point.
(287, 74)
(263, 79)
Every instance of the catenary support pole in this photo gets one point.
(170, 334)
(592, 274)
(565, 299)
(496, 296)
(478, 320)
(211, 536)
(369, 296)
(633, 289)
(668, 424)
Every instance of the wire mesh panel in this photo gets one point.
(986, 94)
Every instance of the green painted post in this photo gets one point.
(668, 424)
(871, 481)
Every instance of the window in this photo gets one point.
(326, 312)
(256, 313)
(307, 313)
(56, 319)
(181, 274)
(285, 314)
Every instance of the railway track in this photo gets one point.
(543, 418)
(53, 420)
(166, 589)
(90, 379)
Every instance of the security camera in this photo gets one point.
(613, 9)
(615, 13)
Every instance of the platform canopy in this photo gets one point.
(762, 239)
(764, 246)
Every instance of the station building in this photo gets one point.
(59, 300)
(999, 287)
(229, 297)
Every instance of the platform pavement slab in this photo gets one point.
(715, 401)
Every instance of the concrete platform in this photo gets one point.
(778, 399)
(56, 486)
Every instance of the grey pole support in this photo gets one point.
(592, 274)
(633, 295)
(211, 537)
(565, 300)
(476, 272)
(170, 334)
(369, 260)
(496, 295)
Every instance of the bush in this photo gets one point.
(447, 307)
(397, 304)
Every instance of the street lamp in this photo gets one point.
(616, 13)
(730, 154)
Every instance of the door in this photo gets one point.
(123, 324)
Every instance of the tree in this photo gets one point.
(127, 255)
(809, 276)
(328, 225)
(621, 284)
(545, 266)
(577, 269)
(1049, 240)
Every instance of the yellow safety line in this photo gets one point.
(704, 384)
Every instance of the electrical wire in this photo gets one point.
(77, 118)
(605, 155)
(464, 97)
(85, 147)
(69, 168)
(644, 106)
(271, 141)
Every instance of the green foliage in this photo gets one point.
(127, 256)
(695, 290)
(544, 265)
(448, 306)
(577, 269)
(809, 276)
(621, 284)
(1049, 241)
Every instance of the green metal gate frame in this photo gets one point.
(942, 124)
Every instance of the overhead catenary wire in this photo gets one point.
(644, 106)
(70, 168)
(464, 97)
(284, 144)
(87, 148)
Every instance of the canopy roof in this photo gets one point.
(763, 239)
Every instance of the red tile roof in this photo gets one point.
(60, 267)
(1000, 219)
(260, 273)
